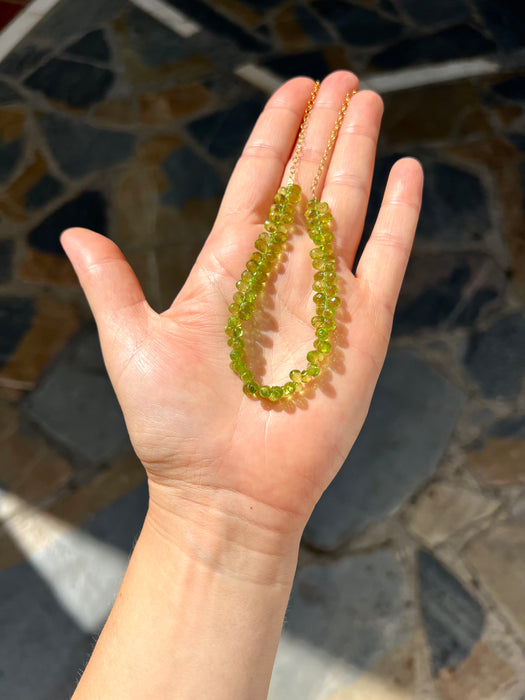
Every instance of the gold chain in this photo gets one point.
(302, 133)
(331, 140)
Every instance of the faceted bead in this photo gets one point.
(264, 391)
(234, 321)
(316, 253)
(318, 321)
(296, 376)
(318, 286)
(294, 191)
(329, 265)
(233, 308)
(322, 333)
(273, 249)
(326, 217)
(289, 388)
(276, 393)
(236, 355)
(239, 366)
(329, 324)
(314, 356)
(305, 377)
(246, 275)
(328, 236)
(284, 191)
(287, 218)
(251, 294)
(313, 370)
(250, 388)
(319, 298)
(270, 227)
(245, 312)
(328, 312)
(324, 346)
(327, 250)
(251, 265)
(280, 198)
(323, 207)
(242, 285)
(261, 244)
(257, 256)
(334, 302)
(318, 264)
(280, 236)
(331, 276)
(238, 298)
(247, 376)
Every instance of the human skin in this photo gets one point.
(233, 481)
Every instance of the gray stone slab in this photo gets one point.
(342, 618)
(452, 618)
(496, 358)
(411, 418)
(74, 16)
(75, 405)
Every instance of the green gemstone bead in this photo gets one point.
(328, 236)
(264, 391)
(287, 218)
(270, 226)
(236, 355)
(314, 356)
(238, 298)
(318, 264)
(327, 250)
(313, 370)
(273, 249)
(257, 256)
(251, 265)
(234, 321)
(251, 294)
(331, 277)
(316, 253)
(289, 388)
(328, 312)
(305, 377)
(280, 237)
(250, 388)
(246, 275)
(326, 217)
(323, 346)
(317, 238)
(247, 376)
(329, 324)
(318, 321)
(242, 285)
(329, 265)
(233, 308)
(276, 393)
(280, 198)
(322, 333)
(238, 366)
(294, 193)
(261, 244)
(245, 312)
(318, 286)
(334, 302)
(319, 298)
(284, 191)
(323, 207)
(296, 376)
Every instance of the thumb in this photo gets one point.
(112, 290)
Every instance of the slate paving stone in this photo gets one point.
(455, 207)
(307, 63)
(41, 648)
(22, 60)
(357, 25)
(43, 192)
(505, 21)
(190, 178)
(79, 149)
(494, 359)
(92, 46)
(10, 154)
(88, 210)
(68, 17)
(6, 260)
(452, 289)
(461, 41)
(409, 392)
(309, 22)
(342, 618)
(8, 95)
(74, 404)
(499, 458)
(78, 85)
(16, 317)
(436, 14)
(452, 618)
(154, 42)
(224, 133)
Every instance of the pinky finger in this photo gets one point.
(385, 257)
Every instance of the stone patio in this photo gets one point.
(410, 581)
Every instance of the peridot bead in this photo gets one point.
(316, 253)
(238, 297)
(276, 393)
(330, 324)
(305, 377)
(328, 312)
(318, 286)
(280, 198)
(314, 356)
(242, 285)
(236, 355)
(323, 346)
(322, 333)
(270, 226)
(334, 302)
(234, 321)
(319, 298)
(246, 275)
(326, 217)
(261, 244)
(233, 308)
(251, 265)
(289, 388)
(294, 193)
(250, 388)
(313, 370)
(264, 391)
(318, 321)
(318, 264)
(296, 376)
(247, 376)
(283, 190)
(323, 207)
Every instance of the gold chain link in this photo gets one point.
(331, 141)
(302, 133)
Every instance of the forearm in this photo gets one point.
(198, 616)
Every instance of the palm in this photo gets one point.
(187, 415)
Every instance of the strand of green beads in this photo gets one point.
(318, 218)
(268, 248)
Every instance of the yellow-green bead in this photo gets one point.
(247, 376)
(251, 265)
(322, 333)
(261, 244)
(334, 302)
(317, 321)
(234, 321)
(318, 264)
(305, 377)
(314, 356)
(328, 312)
(233, 308)
(236, 355)
(296, 376)
(276, 393)
(323, 346)
(264, 391)
(323, 207)
(319, 298)
(238, 298)
(289, 388)
(313, 370)
(251, 388)
(242, 285)
(294, 193)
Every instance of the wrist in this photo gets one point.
(226, 532)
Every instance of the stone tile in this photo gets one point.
(121, 112)
(92, 46)
(292, 35)
(80, 149)
(505, 21)
(22, 60)
(225, 133)
(8, 96)
(53, 325)
(154, 43)
(10, 154)
(444, 509)
(452, 618)
(32, 174)
(190, 178)
(409, 392)
(78, 85)
(16, 318)
(6, 260)
(498, 556)
(67, 17)
(42, 649)
(461, 41)
(318, 63)
(343, 618)
(240, 12)
(358, 26)
(8, 419)
(166, 106)
(431, 15)
(494, 359)
(511, 89)
(448, 289)
(31, 469)
(500, 459)
(12, 122)
(308, 20)
(482, 675)
(47, 268)
(75, 405)
(88, 210)
(43, 192)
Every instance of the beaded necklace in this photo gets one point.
(268, 248)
